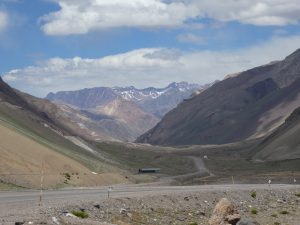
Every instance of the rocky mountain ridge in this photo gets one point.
(249, 105)
(157, 101)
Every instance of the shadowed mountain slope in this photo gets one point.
(248, 105)
(283, 143)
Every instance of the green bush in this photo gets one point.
(253, 194)
(274, 215)
(284, 212)
(80, 214)
(254, 211)
(67, 176)
(297, 194)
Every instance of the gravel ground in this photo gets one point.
(273, 207)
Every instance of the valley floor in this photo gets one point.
(140, 204)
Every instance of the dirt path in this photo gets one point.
(201, 172)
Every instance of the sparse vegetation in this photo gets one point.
(276, 223)
(194, 223)
(253, 194)
(274, 215)
(67, 176)
(297, 194)
(254, 211)
(284, 212)
(80, 214)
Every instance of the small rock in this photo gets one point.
(233, 219)
(123, 211)
(70, 215)
(247, 222)
(54, 220)
(97, 206)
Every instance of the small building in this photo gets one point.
(149, 170)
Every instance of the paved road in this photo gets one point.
(90, 194)
(20, 206)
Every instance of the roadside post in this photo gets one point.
(108, 191)
(42, 185)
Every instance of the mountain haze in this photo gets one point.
(157, 101)
(120, 114)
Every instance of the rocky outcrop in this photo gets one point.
(224, 213)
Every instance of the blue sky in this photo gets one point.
(52, 45)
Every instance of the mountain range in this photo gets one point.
(249, 121)
(120, 113)
(157, 101)
(248, 105)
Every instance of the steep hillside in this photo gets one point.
(284, 143)
(126, 114)
(249, 105)
(119, 120)
(29, 137)
(22, 160)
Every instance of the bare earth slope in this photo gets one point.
(284, 143)
(249, 105)
(21, 155)
(29, 137)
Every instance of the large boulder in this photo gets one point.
(224, 213)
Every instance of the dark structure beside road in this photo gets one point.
(149, 170)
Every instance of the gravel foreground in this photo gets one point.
(266, 206)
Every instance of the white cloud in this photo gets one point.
(256, 12)
(3, 21)
(191, 38)
(80, 17)
(146, 67)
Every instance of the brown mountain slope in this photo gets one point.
(30, 137)
(127, 120)
(284, 143)
(118, 120)
(24, 159)
(249, 105)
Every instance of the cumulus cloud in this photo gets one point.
(146, 67)
(80, 17)
(256, 12)
(3, 21)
